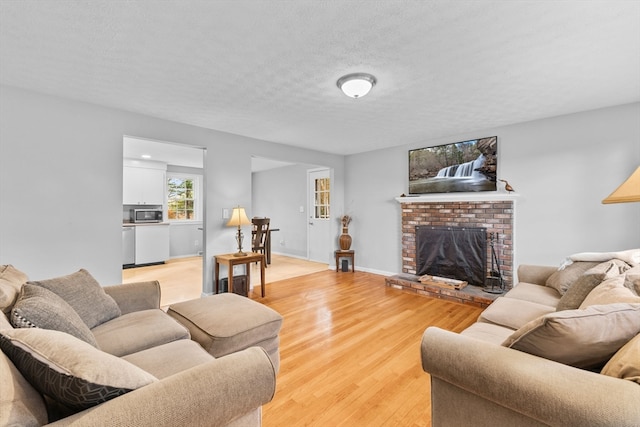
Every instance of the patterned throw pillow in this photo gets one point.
(85, 295)
(68, 370)
(40, 308)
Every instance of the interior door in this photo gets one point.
(319, 216)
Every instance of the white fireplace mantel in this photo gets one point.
(459, 197)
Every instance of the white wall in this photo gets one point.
(60, 159)
(278, 194)
(562, 168)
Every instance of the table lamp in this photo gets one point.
(239, 218)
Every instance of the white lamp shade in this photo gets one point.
(238, 218)
(356, 85)
(356, 88)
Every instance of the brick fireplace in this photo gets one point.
(495, 213)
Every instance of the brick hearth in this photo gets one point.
(472, 295)
(496, 216)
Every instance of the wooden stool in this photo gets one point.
(346, 254)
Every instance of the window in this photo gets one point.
(183, 197)
(321, 200)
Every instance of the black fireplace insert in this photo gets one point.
(454, 252)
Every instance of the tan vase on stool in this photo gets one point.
(345, 239)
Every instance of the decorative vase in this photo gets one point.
(345, 239)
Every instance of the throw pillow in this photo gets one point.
(575, 295)
(582, 338)
(625, 363)
(20, 404)
(85, 295)
(610, 291)
(630, 256)
(632, 279)
(40, 308)
(68, 370)
(562, 279)
(11, 280)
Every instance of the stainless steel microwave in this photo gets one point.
(146, 215)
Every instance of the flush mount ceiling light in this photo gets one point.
(356, 85)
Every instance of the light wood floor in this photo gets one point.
(350, 350)
(181, 279)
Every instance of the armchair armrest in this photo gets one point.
(214, 394)
(520, 386)
(137, 296)
(535, 274)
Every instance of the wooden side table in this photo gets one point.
(346, 254)
(230, 260)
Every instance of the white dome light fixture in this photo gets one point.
(356, 85)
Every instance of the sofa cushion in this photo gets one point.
(534, 293)
(168, 359)
(584, 338)
(513, 313)
(137, 331)
(4, 321)
(562, 279)
(85, 295)
(625, 363)
(11, 280)
(488, 332)
(610, 291)
(38, 307)
(20, 403)
(68, 370)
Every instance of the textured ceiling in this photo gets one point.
(267, 69)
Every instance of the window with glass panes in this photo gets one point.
(182, 194)
(321, 199)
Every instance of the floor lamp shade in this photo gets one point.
(238, 219)
(628, 191)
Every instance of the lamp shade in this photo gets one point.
(629, 191)
(356, 85)
(238, 218)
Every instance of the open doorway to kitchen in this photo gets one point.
(163, 211)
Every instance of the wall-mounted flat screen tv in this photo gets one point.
(466, 166)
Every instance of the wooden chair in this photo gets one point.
(260, 235)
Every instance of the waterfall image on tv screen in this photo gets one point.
(465, 166)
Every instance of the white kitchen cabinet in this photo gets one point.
(152, 243)
(143, 186)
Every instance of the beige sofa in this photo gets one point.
(525, 364)
(136, 365)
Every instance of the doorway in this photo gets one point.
(179, 173)
(319, 215)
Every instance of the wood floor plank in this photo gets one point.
(349, 345)
(350, 351)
